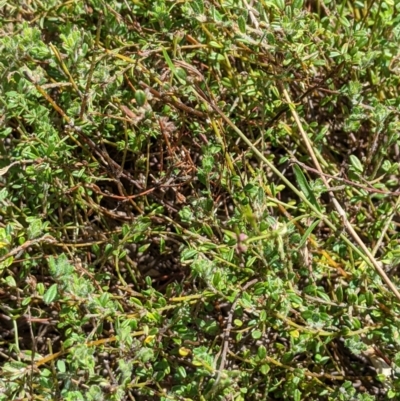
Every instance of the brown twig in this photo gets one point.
(168, 98)
(45, 238)
(352, 183)
(227, 334)
(335, 202)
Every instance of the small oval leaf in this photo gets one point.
(356, 163)
(140, 97)
(51, 294)
(305, 187)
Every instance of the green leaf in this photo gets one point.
(242, 24)
(216, 280)
(256, 334)
(208, 230)
(61, 366)
(262, 352)
(307, 233)
(251, 261)
(356, 163)
(140, 97)
(297, 4)
(162, 245)
(172, 67)
(10, 280)
(339, 293)
(40, 288)
(188, 254)
(198, 6)
(305, 187)
(369, 298)
(50, 294)
(182, 372)
(181, 73)
(216, 45)
(144, 248)
(264, 369)
(108, 249)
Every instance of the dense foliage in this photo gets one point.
(199, 200)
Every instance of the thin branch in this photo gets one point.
(227, 334)
(364, 253)
(335, 202)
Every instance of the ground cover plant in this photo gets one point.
(199, 200)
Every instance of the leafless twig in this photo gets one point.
(337, 205)
(227, 334)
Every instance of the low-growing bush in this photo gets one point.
(199, 200)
